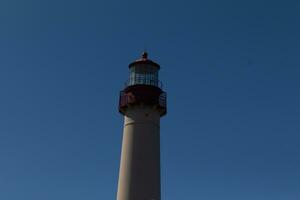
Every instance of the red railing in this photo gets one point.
(163, 99)
(123, 99)
(127, 99)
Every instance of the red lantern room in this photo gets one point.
(143, 86)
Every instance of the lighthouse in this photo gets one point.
(142, 102)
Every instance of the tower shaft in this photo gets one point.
(139, 177)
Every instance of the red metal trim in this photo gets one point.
(144, 61)
(143, 94)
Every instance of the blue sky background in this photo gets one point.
(231, 70)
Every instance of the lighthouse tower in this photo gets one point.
(142, 102)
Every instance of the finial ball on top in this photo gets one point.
(145, 55)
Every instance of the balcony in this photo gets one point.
(158, 100)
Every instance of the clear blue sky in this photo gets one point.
(231, 70)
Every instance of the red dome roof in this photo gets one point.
(144, 60)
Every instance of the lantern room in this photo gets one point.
(144, 72)
(143, 87)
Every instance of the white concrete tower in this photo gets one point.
(142, 102)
